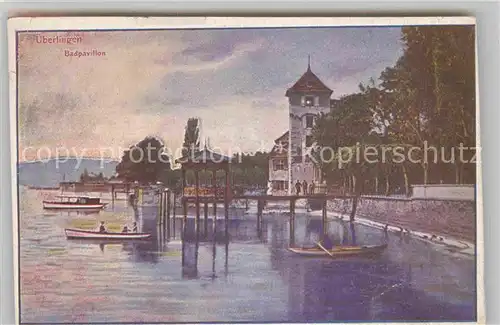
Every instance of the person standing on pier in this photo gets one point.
(312, 187)
(304, 187)
(297, 187)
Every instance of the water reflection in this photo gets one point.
(210, 272)
(191, 234)
(215, 233)
(341, 232)
(353, 233)
(190, 259)
(356, 289)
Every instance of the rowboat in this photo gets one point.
(340, 251)
(86, 234)
(75, 202)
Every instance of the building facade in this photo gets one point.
(290, 157)
(278, 166)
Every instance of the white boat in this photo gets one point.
(86, 234)
(75, 202)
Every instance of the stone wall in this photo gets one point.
(456, 219)
(450, 192)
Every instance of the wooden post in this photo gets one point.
(160, 208)
(113, 194)
(184, 219)
(292, 222)
(260, 207)
(205, 206)
(165, 194)
(164, 212)
(226, 262)
(214, 185)
(205, 221)
(214, 251)
(184, 199)
(183, 243)
(197, 221)
(214, 227)
(324, 219)
(174, 214)
(226, 198)
(168, 214)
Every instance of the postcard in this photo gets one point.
(222, 169)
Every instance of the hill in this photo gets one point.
(50, 173)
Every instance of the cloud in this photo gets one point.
(151, 82)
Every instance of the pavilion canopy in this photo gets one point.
(203, 158)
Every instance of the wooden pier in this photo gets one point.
(205, 232)
(292, 199)
(208, 161)
(202, 207)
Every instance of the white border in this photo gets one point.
(480, 295)
(122, 23)
(85, 23)
(12, 59)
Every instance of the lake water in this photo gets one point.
(250, 277)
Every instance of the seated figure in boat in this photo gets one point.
(125, 229)
(134, 227)
(102, 228)
(327, 242)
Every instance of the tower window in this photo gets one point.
(309, 141)
(309, 101)
(309, 121)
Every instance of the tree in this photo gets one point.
(84, 176)
(344, 132)
(172, 178)
(431, 93)
(427, 99)
(250, 170)
(145, 162)
(191, 137)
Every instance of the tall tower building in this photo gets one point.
(288, 161)
(307, 98)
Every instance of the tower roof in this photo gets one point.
(309, 82)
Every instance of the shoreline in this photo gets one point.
(453, 245)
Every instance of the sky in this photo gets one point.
(148, 83)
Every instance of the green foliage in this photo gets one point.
(426, 98)
(172, 178)
(250, 170)
(191, 136)
(85, 177)
(145, 162)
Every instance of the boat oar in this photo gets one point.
(327, 251)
